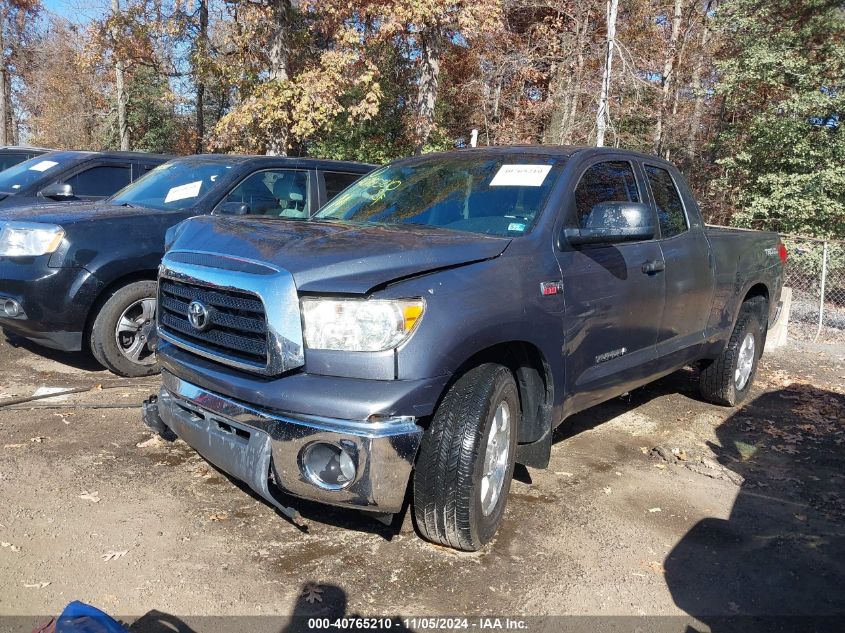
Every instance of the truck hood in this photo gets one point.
(338, 257)
(66, 214)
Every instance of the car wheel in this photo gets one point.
(727, 380)
(465, 465)
(123, 332)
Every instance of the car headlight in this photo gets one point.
(359, 325)
(29, 239)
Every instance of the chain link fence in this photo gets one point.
(815, 270)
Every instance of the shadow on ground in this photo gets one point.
(779, 560)
(78, 360)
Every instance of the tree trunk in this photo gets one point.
(280, 66)
(698, 107)
(603, 115)
(568, 89)
(4, 106)
(575, 97)
(430, 50)
(119, 69)
(668, 79)
(201, 54)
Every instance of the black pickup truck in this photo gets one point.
(435, 322)
(77, 275)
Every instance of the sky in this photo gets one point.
(76, 10)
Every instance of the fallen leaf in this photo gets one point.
(221, 516)
(155, 440)
(90, 496)
(655, 510)
(112, 555)
(311, 593)
(38, 585)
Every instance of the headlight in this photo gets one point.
(29, 239)
(359, 325)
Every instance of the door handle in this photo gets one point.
(654, 266)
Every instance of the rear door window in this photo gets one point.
(336, 182)
(100, 181)
(609, 181)
(10, 160)
(670, 209)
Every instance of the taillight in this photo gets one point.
(782, 252)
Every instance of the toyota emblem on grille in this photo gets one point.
(198, 315)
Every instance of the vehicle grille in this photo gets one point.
(237, 323)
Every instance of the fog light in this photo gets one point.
(327, 465)
(11, 308)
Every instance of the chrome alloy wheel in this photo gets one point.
(496, 457)
(744, 362)
(133, 331)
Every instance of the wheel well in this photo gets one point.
(105, 293)
(533, 380)
(757, 290)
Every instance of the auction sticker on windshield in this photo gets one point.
(43, 165)
(191, 190)
(520, 175)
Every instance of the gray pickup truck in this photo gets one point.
(434, 323)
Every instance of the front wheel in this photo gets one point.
(122, 335)
(464, 470)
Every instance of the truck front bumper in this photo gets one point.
(267, 449)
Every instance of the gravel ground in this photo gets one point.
(653, 504)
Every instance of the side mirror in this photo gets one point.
(610, 222)
(57, 191)
(233, 208)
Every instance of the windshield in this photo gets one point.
(27, 172)
(173, 186)
(500, 195)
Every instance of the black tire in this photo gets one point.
(719, 379)
(450, 467)
(103, 340)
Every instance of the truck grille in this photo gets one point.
(233, 324)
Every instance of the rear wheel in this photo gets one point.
(123, 333)
(727, 380)
(466, 460)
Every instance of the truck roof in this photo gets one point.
(562, 151)
(315, 163)
(81, 154)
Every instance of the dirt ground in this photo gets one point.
(653, 504)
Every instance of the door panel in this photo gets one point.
(613, 312)
(613, 304)
(689, 272)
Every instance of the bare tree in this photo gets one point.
(280, 63)
(119, 69)
(603, 115)
(201, 54)
(668, 78)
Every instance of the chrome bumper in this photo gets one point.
(250, 445)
